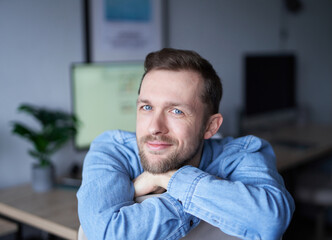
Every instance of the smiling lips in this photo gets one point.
(157, 145)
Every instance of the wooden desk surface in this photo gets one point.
(7, 227)
(297, 145)
(54, 212)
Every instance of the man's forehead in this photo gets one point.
(187, 79)
(172, 88)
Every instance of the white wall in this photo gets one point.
(38, 41)
(222, 31)
(40, 38)
(310, 34)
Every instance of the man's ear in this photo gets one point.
(213, 125)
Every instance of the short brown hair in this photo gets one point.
(176, 60)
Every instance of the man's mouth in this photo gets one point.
(157, 145)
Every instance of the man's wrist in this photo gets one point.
(151, 183)
(164, 178)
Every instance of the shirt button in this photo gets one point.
(180, 201)
(191, 223)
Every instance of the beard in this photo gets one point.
(173, 160)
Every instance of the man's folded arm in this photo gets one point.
(243, 210)
(107, 209)
(251, 204)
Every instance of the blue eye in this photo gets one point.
(177, 111)
(147, 107)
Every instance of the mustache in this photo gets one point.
(161, 138)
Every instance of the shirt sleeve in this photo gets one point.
(106, 207)
(247, 199)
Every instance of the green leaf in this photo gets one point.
(56, 128)
(22, 130)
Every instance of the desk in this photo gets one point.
(54, 212)
(298, 145)
(7, 227)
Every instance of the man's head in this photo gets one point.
(177, 60)
(177, 109)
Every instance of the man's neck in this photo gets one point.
(197, 159)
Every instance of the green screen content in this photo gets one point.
(104, 98)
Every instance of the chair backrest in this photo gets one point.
(81, 235)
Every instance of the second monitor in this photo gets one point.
(104, 98)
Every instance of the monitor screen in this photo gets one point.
(104, 98)
(269, 83)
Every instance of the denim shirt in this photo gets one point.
(236, 188)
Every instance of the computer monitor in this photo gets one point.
(270, 88)
(104, 98)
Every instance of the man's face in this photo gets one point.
(170, 120)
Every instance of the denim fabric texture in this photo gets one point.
(236, 188)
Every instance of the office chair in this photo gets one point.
(81, 235)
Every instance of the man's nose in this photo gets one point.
(158, 124)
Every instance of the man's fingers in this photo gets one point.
(144, 184)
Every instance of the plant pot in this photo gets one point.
(42, 178)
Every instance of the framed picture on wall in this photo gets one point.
(119, 30)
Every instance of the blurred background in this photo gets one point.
(40, 39)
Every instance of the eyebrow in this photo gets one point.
(142, 101)
(169, 104)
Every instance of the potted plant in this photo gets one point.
(56, 128)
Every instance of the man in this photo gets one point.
(232, 184)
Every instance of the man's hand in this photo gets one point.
(151, 183)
